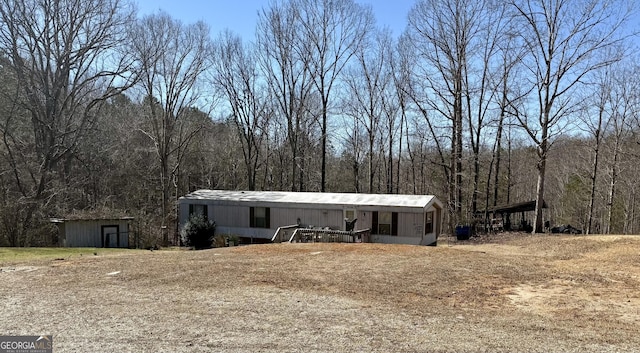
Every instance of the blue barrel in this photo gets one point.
(463, 232)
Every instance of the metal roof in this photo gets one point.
(314, 198)
(88, 218)
(527, 206)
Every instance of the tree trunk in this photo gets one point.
(402, 122)
(542, 168)
(476, 181)
(594, 177)
(390, 168)
(458, 154)
(538, 223)
(453, 219)
(293, 143)
(323, 168)
(509, 169)
(498, 149)
(164, 169)
(612, 186)
(371, 171)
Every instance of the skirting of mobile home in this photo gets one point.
(260, 215)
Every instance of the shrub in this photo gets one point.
(219, 241)
(198, 233)
(234, 240)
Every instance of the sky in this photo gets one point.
(241, 16)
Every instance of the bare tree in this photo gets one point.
(354, 141)
(417, 136)
(442, 32)
(565, 41)
(596, 127)
(368, 81)
(490, 90)
(171, 57)
(503, 82)
(408, 75)
(285, 60)
(333, 31)
(393, 114)
(622, 107)
(237, 75)
(402, 100)
(392, 133)
(66, 59)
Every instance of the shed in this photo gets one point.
(94, 232)
(390, 218)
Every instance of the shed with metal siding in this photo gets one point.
(94, 232)
(232, 211)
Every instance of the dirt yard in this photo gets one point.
(508, 294)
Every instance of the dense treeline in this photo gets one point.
(481, 103)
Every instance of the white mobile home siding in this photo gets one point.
(231, 212)
(238, 215)
(308, 217)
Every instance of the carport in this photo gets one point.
(500, 218)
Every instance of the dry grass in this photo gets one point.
(10, 256)
(508, 294)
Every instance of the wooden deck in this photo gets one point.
(318, 235)
(295, 234)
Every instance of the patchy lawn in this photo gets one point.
(20, 255)
(511, 294)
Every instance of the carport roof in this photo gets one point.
(527, 206)
(314, 198)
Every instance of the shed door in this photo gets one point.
(110, 236)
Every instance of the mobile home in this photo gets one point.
(401, 219)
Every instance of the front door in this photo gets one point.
(349, 219)
(110, 236)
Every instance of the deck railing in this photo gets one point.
(284, 233)
(323, 235)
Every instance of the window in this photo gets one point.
(349, 215)
(428, 223)
(199, 210)
(259, 217)
(385, 223)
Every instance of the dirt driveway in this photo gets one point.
(509, 294)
